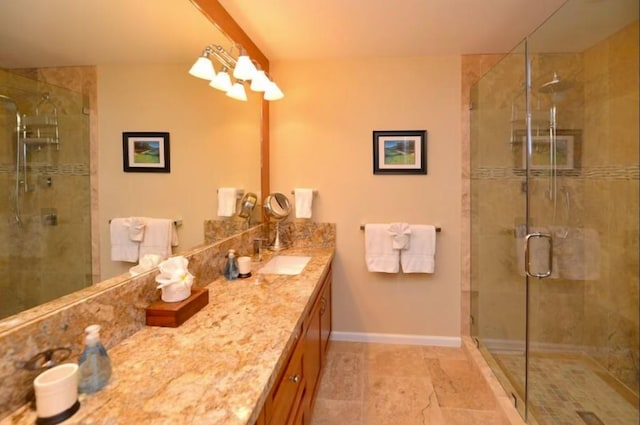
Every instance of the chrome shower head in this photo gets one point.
(555, 85)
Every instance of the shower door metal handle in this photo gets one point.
(527, 255)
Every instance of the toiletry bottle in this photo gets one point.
(95, 365)
(231, 271)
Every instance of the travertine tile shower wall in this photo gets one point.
(598, 316)
(46, 261)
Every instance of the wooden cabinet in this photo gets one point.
(291, 399)
(286, 395)
(317, 332)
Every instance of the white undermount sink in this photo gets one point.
(285, 264)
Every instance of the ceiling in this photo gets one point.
(38, 33)
(295, 29)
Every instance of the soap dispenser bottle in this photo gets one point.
(231, 270)
(95, 365)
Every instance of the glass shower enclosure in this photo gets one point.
(45, 224)
(554, 217)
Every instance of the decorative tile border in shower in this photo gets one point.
(612, 172)
(72, 169)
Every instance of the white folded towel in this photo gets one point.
(227, 198)
(123, 248)
(304, 201)
(400, 233)
(379, 253)
(160, 235)
(420, 256)
(136, 228)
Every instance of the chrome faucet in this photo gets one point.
(46, 359)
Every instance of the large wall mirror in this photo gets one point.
(101, 69)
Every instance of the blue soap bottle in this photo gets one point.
(231, 270)
(95, 365)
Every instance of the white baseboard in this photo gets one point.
(440, 341)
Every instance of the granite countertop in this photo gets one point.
(217, 367)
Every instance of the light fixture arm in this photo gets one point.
(222, 56)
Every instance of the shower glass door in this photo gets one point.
(45, 225)
(583, 193)
(498, 220)
(554, 210)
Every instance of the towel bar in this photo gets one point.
(438, 228)
(178, 223)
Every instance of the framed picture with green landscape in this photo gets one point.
(146, 152)
(400, 152)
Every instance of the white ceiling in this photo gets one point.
(293, 29)
(36, 33)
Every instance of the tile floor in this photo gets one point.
(569, 389)
(380, 384)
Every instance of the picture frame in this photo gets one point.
(541, 150)
(568, 152)
(146, 152)
(400, 152)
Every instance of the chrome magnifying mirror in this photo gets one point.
(277, 208)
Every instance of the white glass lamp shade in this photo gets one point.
(203, 68)
(237, 92)
(221, 81)
(273, 92)
(245, 69)
(260, 81)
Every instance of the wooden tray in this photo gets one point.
(172, 315)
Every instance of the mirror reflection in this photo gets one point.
(105, 69)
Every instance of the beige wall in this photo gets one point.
(214, 143)
(321, 136)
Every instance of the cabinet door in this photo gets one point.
(288, 390)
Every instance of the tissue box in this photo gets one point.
(172, 315)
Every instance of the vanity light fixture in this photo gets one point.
(237, 91)
(273, 92)
(259, 81)
(243, 68)
(203, 68)
(221, 80)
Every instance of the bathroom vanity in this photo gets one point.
(253, 355)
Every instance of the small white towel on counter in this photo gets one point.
(420, 256)
(304, 201)
(400, 233)
(378, 246)
(160, 235)
(123, 248)
(227, 199)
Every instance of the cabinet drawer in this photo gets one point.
(287, 390)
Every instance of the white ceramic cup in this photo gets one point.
(244, 265)
(56, 389)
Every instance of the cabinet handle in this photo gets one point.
(323, 306)
(294, 378)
